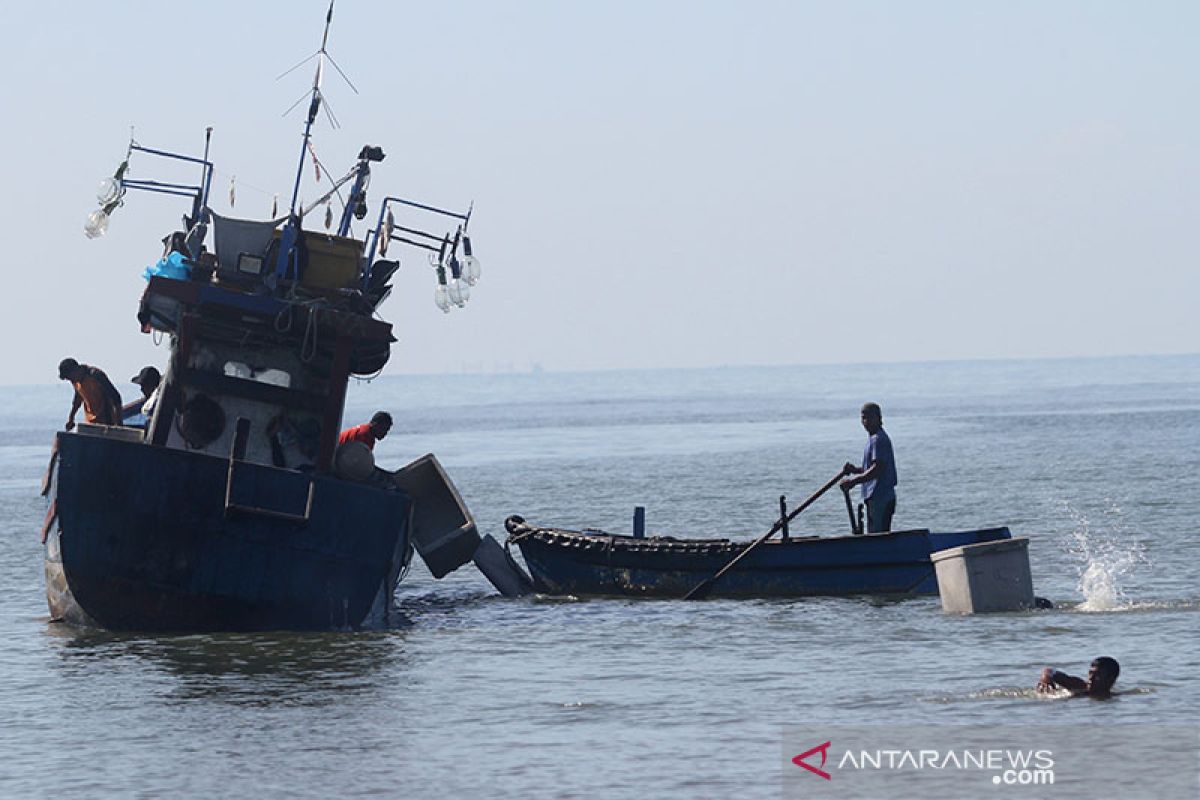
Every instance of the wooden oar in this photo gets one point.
(855, 526)
(701, 590)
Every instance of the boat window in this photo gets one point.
(275, 377)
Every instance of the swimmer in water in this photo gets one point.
(1101, 676)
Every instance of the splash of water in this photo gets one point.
(1106, 559)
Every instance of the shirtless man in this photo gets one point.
(1101, 676)
(94, 391)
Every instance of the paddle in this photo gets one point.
(855, 526)
(701, 590)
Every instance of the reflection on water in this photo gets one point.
(311, 669)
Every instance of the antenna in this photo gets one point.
(316, 98)
(290, 233)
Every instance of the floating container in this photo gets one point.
(988, 577)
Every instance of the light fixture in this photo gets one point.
(471, 269)
(110, 194)
(109, 191)
(441, 295)
(459, 292)
(441, 299)
(96, 225)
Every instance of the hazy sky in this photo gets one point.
(656, 183)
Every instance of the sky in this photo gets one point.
(656, 183)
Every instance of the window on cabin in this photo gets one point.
(243, 371)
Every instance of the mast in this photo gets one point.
(291, 230)
(314, 106)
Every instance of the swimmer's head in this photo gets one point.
(1103, 674)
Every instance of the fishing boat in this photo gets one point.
(591, 562)
(236, 508)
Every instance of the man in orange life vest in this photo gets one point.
(94, 391)
(370, 432)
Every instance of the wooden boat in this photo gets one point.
(236, 509)
(565, 562)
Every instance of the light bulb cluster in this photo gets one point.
(454, 277)
(451, 254)
(109, 194)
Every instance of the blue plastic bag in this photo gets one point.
(173, 266)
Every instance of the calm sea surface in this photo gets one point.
(1095, 460)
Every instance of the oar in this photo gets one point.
(855, 527)
(701, 590)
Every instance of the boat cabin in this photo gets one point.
(274, 352)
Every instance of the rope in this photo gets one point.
(286, 310)
(308, 348)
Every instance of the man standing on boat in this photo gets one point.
(877, 475)
(94, 391)
(370, 432)
(138, 412)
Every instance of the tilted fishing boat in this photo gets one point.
(236, 509)
(566, 562)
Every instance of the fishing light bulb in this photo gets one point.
(96, 225)
(471, 270)
(109, 191)
(441, 295)
(459, 292)
(441, 298)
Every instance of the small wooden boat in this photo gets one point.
(565, 562)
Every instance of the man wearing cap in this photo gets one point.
(370, 432)
(94, 391)
(877, 475)
(138, 412)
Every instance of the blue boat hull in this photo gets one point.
(591, 563)
(143, 541)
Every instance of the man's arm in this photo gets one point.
(75, 404)
(1053, 679)
(132, 409)
(862, 476)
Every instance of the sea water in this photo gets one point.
(1096, 461)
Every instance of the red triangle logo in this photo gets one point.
(823, 750)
